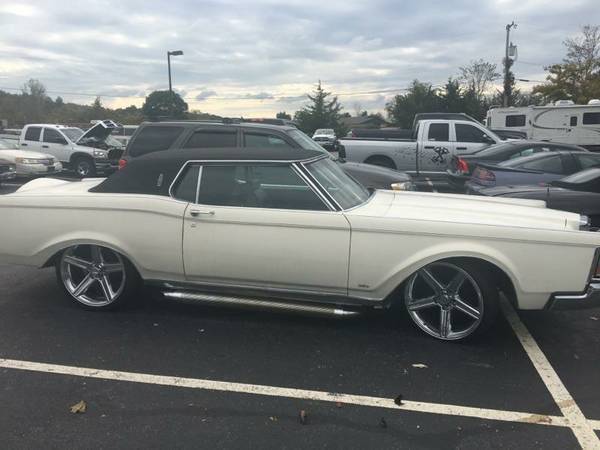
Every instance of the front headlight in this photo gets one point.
(100, 154)
(404, 186)
(27, 161)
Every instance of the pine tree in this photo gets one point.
(322, 112)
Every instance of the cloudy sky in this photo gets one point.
(257, 57)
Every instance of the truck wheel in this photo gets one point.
(96, 277)
(84, 166)
(381, 161)
(451, 300)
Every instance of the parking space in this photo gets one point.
(447, 389)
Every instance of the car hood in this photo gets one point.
(11, 155)
(98, 132)
(473, 210)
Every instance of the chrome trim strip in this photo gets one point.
(198, 184)
(319, 186)
(312, 186)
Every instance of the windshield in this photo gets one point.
(346, 192)
(328, 131)
(521, 160)
(305, 142)
(495, 149)
(72, 133)
(585, 176)
(5, 144)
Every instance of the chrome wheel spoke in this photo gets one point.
(84, 285)
(431, 281)
(467, 309)
(78, 262)
(456, 283)
(445, 322)
(422, 303)
(106, 288)
(113, 267)
(97, 254)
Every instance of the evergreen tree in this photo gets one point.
(322, 112)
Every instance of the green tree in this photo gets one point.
(283, 115)
(478, 76)
(578, 77)
(164, 104)
(321, 112)
(419, 98)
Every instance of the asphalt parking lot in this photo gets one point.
(166, 374)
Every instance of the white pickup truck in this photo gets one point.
(86, 153)
(428, 153)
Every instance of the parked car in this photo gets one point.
(534, 169)
(86, 153)
(280, 230)
(154, 136)
(578, 193)
(325, 137)
(7, 170)
(425, 156)
(460, 168)
(28, 163)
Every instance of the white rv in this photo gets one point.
(562, 121)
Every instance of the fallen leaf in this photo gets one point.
(303, 417)
(420, 366)
(594, 318)
(273, 419)
(338, 404)
(398, 400)
(78, 408)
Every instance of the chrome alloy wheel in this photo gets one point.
(93, 275)
(444, 301)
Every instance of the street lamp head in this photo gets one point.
(175, 53)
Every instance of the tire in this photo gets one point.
(84, 166)
(382, 161)
(452, 300)
(96, 278)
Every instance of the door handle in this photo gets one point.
(23, 144)
(429, 147)
(44, 146)
(461, 148)
(201, 212)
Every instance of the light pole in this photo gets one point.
(507, 64)
(169, 54)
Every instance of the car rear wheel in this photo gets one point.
(451, 300)
(84, 167)
(96, 277)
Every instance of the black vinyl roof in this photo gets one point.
(153, 173)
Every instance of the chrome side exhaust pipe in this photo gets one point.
(255, 303)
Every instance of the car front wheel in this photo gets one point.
(84, 167)
(451, 300)
(96, 277)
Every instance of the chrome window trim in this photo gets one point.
(198, 184)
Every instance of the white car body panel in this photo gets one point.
(365, 252)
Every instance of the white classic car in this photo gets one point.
(28, 163)
(254, 228)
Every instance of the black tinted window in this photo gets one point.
(573, 121)
(550, 164)
(587, 161)
(439, 132)
(53, 137)
(212, 139)
(517, 120)
(186, 187)
(469, 133)
(264, 141)
(591, 118)
(154, 139)
(33, 134)
(258, 186)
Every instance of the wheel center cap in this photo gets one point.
(445, 299)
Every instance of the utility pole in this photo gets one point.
(169, 54)
(507, 64)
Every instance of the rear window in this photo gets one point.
(515, 120)
(212, 139)
(264, 141)
(439, 132)
(590, 118)
(154, 139)
(550, 164)
(33, 134)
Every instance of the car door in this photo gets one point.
(31, 141)
(261, 225)
(470, 138)
(436, 147)
(55, 144)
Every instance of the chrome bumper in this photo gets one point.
(588, 299)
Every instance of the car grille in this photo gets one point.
(45, 162)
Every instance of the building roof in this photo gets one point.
(352, 122)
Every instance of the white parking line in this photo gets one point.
(272, 391)
(582, 428)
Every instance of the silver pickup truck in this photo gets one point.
(428, 153)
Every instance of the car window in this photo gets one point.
(264, 141)
(212, 139)
(469, 133)
(33, 133)
(187, 186)
(549, 164)
(153, 139)
(52, 136)
(591, 118)
(587, 161)
(515, 120)
(573, 121)
(529, 151)
(439, 132)
(256, 186)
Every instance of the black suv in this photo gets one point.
(157, 136)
